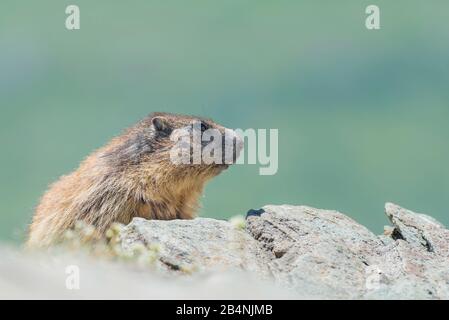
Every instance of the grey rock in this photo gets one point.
(419, 229)
(284, 252)
(324, 251)
(200, 244)
(319, 254)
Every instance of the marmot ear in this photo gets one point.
(159, 123)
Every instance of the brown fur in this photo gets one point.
(132, 176)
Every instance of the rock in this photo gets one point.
(199, 244)
(419, 229)
(325, 252)
(284, 252)
(316, 253)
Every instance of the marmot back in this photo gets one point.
(134, 175)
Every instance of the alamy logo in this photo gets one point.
(72, 281)
(372, 21)
(197, 145)
(72, 21)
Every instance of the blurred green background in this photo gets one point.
(362, 115)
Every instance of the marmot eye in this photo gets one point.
(162, 126)
(159, 123)
(204, 126)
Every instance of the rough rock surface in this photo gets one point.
(284, 252)
(316, 253)
(200, 244)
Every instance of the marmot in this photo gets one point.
(131, 176)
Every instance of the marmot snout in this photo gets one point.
(134, 175)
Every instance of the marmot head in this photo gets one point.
(187, 145)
